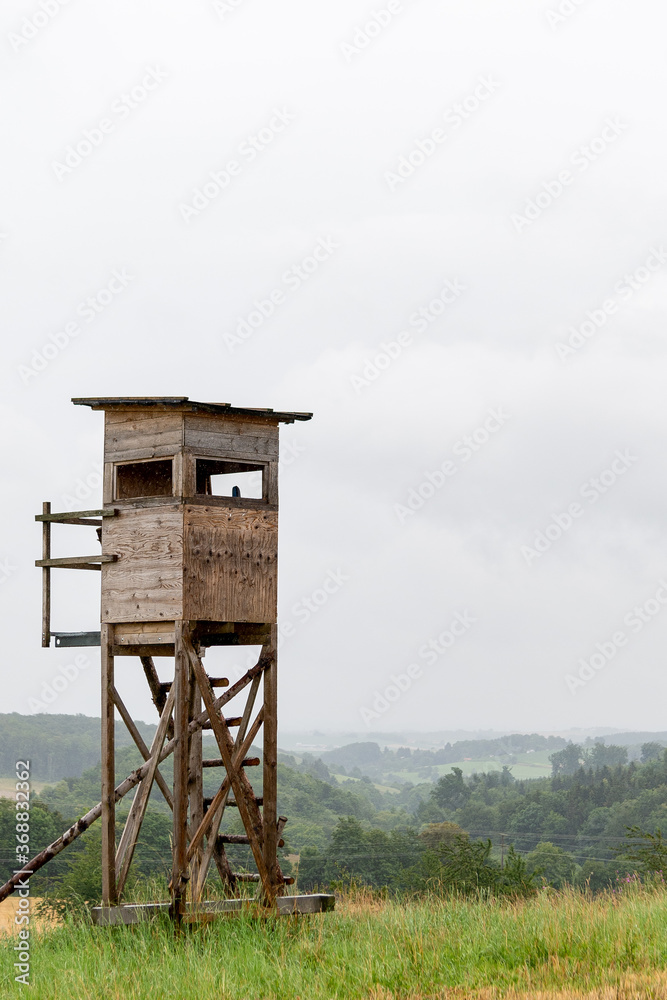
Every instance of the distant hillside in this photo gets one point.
(634, 739)
(378, 764)
(57, 746)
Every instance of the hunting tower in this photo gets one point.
(189, 543)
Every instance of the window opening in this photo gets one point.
(145, 479)
(222, 478)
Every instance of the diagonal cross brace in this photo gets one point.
(214, 848)
(243, 793)
(128, 840)
(132, 780)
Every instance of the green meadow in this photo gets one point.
(565, 945)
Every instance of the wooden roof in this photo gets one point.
(185, 405)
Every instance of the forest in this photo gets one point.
(586, 824)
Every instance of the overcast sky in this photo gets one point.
(439, 226)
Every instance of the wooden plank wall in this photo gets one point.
(130, 435)
(146, 584)
(216, 437)
(231, 564)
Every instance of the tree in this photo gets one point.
(436, 835)
(648, 850)
(568, 760)
(465, 867)
(451, 791)
(600, 756)
(553, 863)
(81, 885)
(651, 751)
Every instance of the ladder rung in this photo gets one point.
(240, 838)
(250, 877)
(230, 722)
(219, 762)
(216, 682)
(230, 802)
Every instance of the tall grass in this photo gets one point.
(563, 944)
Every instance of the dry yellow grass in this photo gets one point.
(653, 987)
(8, 909)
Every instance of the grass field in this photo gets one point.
(534, 765)
(563, 946)
(527, 766)
(341, 778)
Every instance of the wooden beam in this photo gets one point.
(219, 762)
(76, 562)
(215, 682)
(67, 517)
(109, 889)
(270, 760)
(181, 691)
(195, 782)
(232, 723)
(46, 577)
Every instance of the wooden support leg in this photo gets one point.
(195, 786)
(109, 891)
(270, 784)
(181, 685)
(46, 577)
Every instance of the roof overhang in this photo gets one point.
(184, 405)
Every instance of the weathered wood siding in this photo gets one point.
(146, 583)
(230, 564)
(130, 435)
(211, 437)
